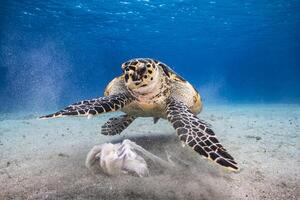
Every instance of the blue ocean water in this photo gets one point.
(56, 52)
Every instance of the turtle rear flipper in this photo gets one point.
(155, 119)
(197, 134)
(116, 125)
(93, 106)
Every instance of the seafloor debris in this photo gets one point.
(63, 155)
(253, 137)
(122, 158)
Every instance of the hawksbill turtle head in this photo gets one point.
(140, 73)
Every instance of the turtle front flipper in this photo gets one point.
(93, 106)
(197, 134)
(116, 125)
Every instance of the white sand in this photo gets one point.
(44, 159)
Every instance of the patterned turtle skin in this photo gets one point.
(149, 88)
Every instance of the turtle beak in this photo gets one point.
(141, 71)
(135, 77)
(138, 74)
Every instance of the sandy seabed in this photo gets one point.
(44, 159)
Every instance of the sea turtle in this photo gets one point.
(149, 88)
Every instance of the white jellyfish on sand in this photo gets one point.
(122, 158)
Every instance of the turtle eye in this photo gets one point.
(125, 69)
